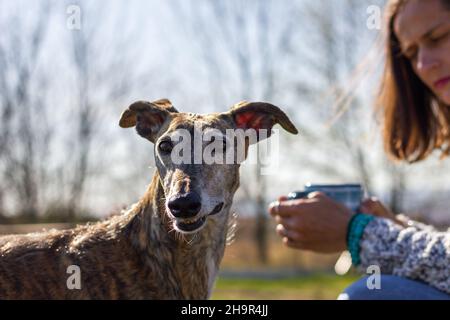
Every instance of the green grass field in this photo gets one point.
(310, 287)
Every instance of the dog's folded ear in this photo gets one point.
(260, 115)
(166, 104)
(148, 117)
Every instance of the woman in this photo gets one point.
(415, 99)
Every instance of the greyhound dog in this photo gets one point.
(167, 246)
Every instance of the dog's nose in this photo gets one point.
(185, 205)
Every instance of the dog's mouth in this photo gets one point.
(195, 224)
(190, 225)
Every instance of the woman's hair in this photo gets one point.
(415, 123)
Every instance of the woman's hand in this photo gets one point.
(375, 207)
(317, 223)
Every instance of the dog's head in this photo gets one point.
(198, 156)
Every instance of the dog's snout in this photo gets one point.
(185, 206)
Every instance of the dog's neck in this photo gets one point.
(192, 260)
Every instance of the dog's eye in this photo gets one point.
(224, 146)
(165, 146)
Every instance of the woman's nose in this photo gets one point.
(426, 61)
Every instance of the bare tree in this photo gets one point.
(85, 116)
(102, 76)
(337, 38)
(340, 34)
(242, 40)
(24, 134)
(50, 124)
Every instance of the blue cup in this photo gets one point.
(349, 195)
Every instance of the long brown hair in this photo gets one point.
(415, 122)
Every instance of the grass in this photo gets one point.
(311, 287)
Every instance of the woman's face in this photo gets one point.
(423, 29)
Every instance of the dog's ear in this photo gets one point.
(148, 117)
(166, 104)
(260, 115)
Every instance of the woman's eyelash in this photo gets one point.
(440, 37)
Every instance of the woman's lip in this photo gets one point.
(441, 82)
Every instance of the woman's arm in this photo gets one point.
(422, 254)
(321, 224)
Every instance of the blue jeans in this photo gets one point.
(392, 288)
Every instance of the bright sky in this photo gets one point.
(205, 62)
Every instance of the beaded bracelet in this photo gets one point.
(355, 231)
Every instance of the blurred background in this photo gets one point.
(69, 68)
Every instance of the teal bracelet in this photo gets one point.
(355, 231)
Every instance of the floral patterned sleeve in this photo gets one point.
(416, 252)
